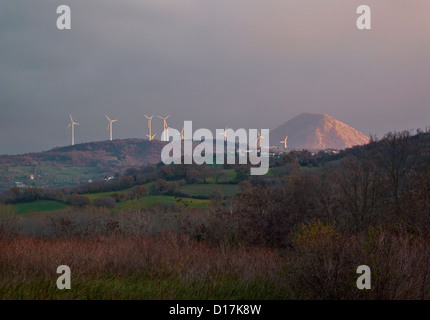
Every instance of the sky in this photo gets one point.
(241, 63)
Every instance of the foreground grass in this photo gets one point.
(142, 287)
(117, 267)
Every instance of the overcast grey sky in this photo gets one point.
(245, 63)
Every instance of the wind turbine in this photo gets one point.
(285, 142)
(225, 133)
(166, 127)
(259, 139)
(110, 125)
(178, 133)
(72, 125)
(150, 135)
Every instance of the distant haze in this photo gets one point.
(241, 63)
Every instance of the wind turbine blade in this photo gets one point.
(68, 126)
(77, 124)
(107, 117)
(114, 120)
(146, 116)
(168, 116)
(71, 118)
(160, 117)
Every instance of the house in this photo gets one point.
(19, 184)
(331, 151)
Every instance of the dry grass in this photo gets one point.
(121, 255)
(136, 267)
(145, 255)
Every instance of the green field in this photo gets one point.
(150, 201)
(194, 190)
(203, 190)
(229, 175)
(39, 206)
(93, 196)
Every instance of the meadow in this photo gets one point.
(204, 190)
(39, 206)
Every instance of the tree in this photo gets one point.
(137, 192)
(396, 157)
(216, 196)
(192, 176)
(359, 185)
(159, 186)
(242, 173)
(244, 185)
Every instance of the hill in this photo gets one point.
(315, 131)
(71, 165)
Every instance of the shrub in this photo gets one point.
(118, 196)
(76, 200)
(106, 202)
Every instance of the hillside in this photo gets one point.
(71, 165)
(315, 131)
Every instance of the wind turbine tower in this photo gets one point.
(150, 135)
(166, 128)
(110, 125)
(225, 133)
(259, 140)
(72, 125)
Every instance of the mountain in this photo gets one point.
(315, 131)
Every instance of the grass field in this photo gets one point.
(147, 202)
(38, 206)
(229, 175)
(150, 201)
(203, 190)
(93, 196)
